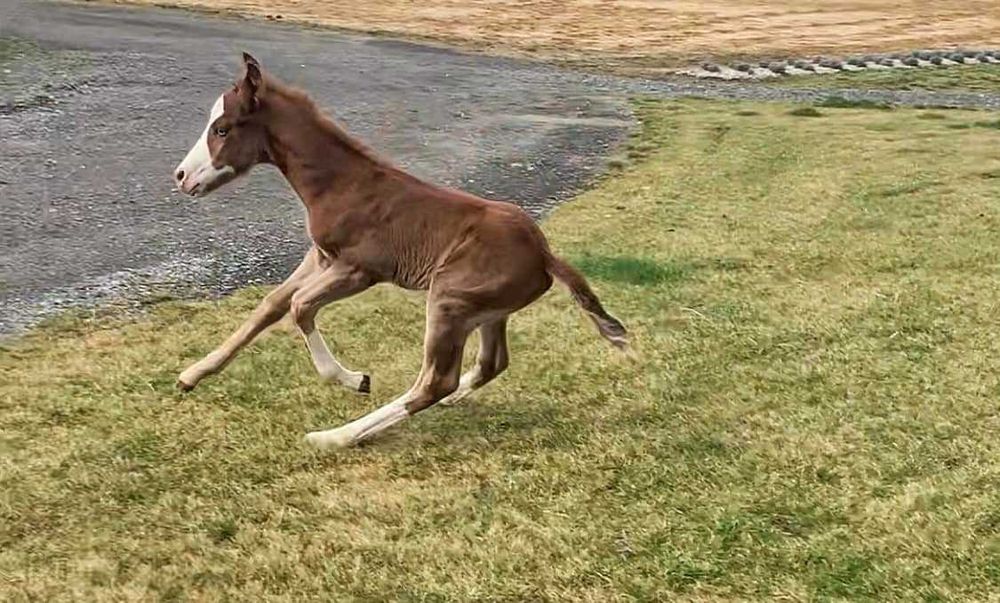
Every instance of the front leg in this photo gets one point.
(335, 282)
(330, 369)
(270, 310)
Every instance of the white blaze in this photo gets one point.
(197, 165)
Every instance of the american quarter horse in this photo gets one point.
(370, 222)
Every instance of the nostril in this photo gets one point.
(179, 175)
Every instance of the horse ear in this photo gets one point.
(249, 60)
(252, 82)
(253, 76)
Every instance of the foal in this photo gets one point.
(370, 222)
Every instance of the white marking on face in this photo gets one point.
(196, 173)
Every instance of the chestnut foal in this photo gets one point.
(370, 222)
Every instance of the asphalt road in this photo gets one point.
(98, 104)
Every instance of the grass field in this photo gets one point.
(811, 413)
(646, 35)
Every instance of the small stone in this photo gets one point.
(936, 60)
(911, 62)
(711, 67)
(778, 67)
(744, 67)
(887, 62)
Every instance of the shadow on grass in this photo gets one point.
(990, 125)
(839, 102)
(631, 270)
(805, 112)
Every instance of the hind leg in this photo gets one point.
(493, 359)
(444, 341)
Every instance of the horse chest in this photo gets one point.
(326, 231)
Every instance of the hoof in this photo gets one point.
(184, 387)
(326, 440)
(366, 385)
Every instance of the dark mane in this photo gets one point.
(299, 97)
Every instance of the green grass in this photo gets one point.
(839, 102)
(631, 270)
(973, 78)
(811, 412)
(805, 112)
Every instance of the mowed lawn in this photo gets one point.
(811, 411)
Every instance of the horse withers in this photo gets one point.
(370, 222)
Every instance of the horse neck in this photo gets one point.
(316, 157)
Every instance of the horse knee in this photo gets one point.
(442, 386)
(490, 368)
(303, 314)
(433, 392)
(272, 309)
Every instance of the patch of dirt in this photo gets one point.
(648, 34)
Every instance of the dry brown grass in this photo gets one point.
(649, 33)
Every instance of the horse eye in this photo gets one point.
(221, 132)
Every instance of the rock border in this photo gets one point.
(821, 65)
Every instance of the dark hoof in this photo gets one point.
(184, 387)
(366, 385)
